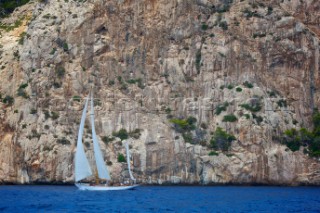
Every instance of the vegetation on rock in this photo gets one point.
(198, 60)
(136, 81)
(221, 107)
(230, 86)
(21, 91)
(182, 125)
(8, 6)
(76, 98)
(254, 105)
(135, 133)
(190, 133)
(282, 103)
(221, 140)
(121, 158)
(52, 115)
(248, 85)
(213, 153)
(33, 111)
(123, 134)
(294, 138)
(21, 38)
(107, 139)
(257, 118)
(229, 118)
(63, 141)
(60, 71)
(239, 89)
(8, 100)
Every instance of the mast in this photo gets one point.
(96, 177)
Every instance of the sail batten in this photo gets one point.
(82, 166)
(103, 172)
(128, 161)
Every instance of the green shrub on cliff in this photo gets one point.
(230, 86)
(21, 91)
(135, 133)
(136, 81)
(282, 103)
(294, 139)
(65, 47)
(190, 132)
(122, 134)
(107, 139)
(8, 100)
(121, 158)
(253, 106)
(9, 27)
(54, 115)
(188, 138)
(314, 147)
(8, 6)
(239, 89)
(21, 38)
(60, 71)
(223, 25)
(213, 153)
(63, 141)
(198, 60)
(76, 98)
(248, 85)
(204, 26)
(221, 107)
(221, 140)
(229, 118)
(33, 111)
(182, 125)
(257, 118)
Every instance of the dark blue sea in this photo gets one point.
(160, 199)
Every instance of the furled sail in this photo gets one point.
(103, 172)
(128, 161)
(82, 167)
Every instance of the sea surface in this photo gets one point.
(160, 199)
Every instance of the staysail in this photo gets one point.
(82, 167)
(128, 161)
(103, 172)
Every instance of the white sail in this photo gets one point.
(128, 161)
(82, 167)
(103, 172)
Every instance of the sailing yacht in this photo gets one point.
(82, 166)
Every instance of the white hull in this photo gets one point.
(103, 188)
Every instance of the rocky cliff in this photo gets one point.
(250, 67)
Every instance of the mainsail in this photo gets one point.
(128, 161)
(101, 167)
(82, 167)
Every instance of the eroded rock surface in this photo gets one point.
(146, 57)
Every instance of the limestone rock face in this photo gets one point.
(148, 62)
